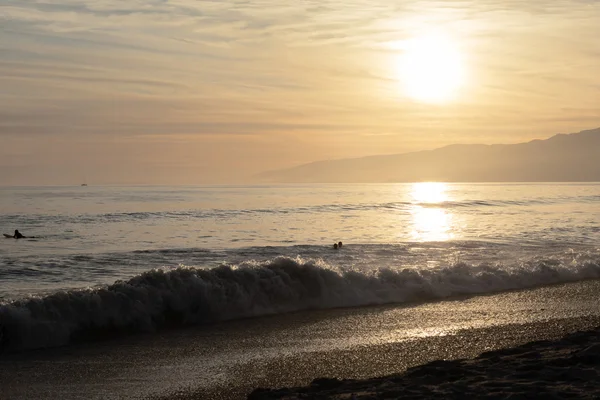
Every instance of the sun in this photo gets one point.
(431, 68)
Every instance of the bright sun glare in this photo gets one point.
(429, 192)
(431, 68)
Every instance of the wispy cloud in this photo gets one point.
(306, 69)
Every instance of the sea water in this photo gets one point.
(124, 259)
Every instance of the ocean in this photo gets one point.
(138, 259)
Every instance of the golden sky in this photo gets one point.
(122, 91)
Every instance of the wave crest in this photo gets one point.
(190, 296)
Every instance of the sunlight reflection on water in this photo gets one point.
(430, 223)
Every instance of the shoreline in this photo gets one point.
(363, 363)
(365, 359)
(227, 361)
(564, 368)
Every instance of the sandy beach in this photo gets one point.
(564, 368)
(230, 360)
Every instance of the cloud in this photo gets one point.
(304, 69)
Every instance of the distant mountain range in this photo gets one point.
(562, 158)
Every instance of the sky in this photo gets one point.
(185, 92)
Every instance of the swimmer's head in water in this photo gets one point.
(335, 245)
(339, 244)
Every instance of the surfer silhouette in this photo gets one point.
(17, 235)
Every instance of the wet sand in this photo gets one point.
(374, 361)
(229, 360)
(552, 369)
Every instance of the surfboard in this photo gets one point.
(23, 237)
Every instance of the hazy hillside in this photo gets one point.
(574, 157)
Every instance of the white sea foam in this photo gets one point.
(188, 296)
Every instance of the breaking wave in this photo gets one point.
(190, 296)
